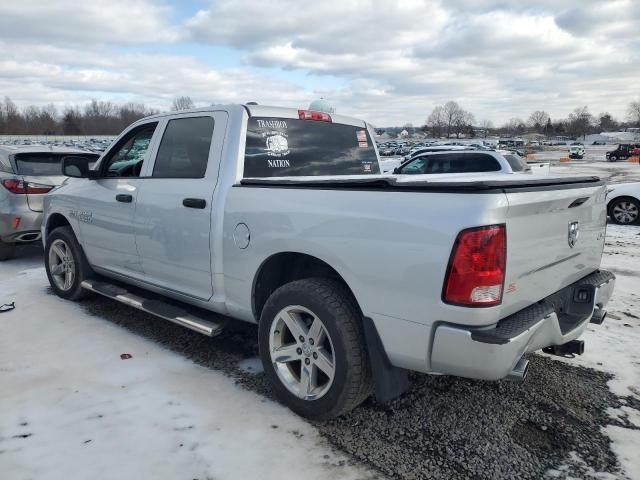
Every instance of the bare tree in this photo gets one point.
(464, 123)
(606, 122)
(97, 117)
(537, 120)
(130, 112)
(72, 121)
(13, 120)
(181, 103)
(514, 126)
(436, 121)
(580, 121)
(633, 111)
(486, 125)
(452, 114)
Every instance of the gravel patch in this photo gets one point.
(444, 427)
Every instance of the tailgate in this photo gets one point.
(554, 238)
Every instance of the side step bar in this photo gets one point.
(155, 307)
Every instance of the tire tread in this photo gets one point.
(339, 300)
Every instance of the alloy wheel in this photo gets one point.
(302, 352)
(625, 212)
(62, 265)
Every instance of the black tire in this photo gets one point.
(613, 158)
(620, 200)
(332, 302)
(7, 250)
(82, 269)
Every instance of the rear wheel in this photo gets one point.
(312, 348)
(625, 211)
(7, 250)
(66, 264)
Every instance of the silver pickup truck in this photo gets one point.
(281, 217)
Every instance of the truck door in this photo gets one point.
(624, 152)
(174, 210)
(107, 213)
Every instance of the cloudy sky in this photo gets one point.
(389, 62)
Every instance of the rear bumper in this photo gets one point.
(28, 228)
(490, 353)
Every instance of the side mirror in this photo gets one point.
(396, 170)
(78, 167)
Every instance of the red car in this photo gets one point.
(635, 152)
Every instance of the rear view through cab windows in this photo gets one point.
(282, 147)
(451, 163)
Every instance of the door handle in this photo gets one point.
(194, 203)
(124, 198)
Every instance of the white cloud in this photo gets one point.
(72, 22)
(389, 62)
(152, 79)
(497, 59)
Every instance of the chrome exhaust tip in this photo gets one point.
(519, 372)
(28, 237)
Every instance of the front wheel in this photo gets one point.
(613, 158)
(66, 264)
(312, 348)
(625, 211)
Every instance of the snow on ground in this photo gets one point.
(614, 346)
(626, 445)
(71, 408)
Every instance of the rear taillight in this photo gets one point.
(311, 115)
(475, 277)
(21, 187)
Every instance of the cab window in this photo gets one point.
(184, 149)
(127, 157)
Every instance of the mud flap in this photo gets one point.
(389, 382)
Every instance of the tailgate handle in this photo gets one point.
(124, 198)
(194, 203)
(577, 202)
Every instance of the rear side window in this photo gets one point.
(184, 149)
(47, 164)
(516, 163)
(5, 166)
(282, 147)
(451, 163)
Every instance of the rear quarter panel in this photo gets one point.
(392, 249)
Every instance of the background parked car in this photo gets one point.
(622, 152)
(27, 174)
(464, 161)
(623, 203)
(576, 151)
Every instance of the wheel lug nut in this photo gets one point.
(299, 351)
(307, 361)
(301, 338)
(311, 341)
(315, 355)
